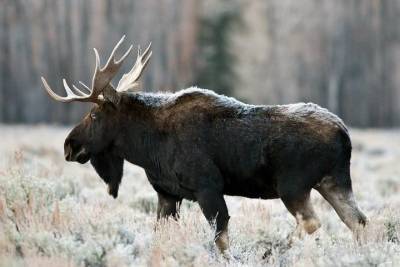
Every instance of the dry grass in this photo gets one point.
(54, 213)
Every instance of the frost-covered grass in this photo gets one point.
(54, 213)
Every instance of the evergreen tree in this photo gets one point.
(216, 70)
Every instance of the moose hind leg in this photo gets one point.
(340, 196)
(214, 209)
(300, 207)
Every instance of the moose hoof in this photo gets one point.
(222, 242)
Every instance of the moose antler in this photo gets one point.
(103, 76)
(129, 80)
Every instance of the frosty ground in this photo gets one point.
(55, 213)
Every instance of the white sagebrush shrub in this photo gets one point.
(54, 213)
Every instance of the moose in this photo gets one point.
(197, 145)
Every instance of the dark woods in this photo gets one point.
(343, 55)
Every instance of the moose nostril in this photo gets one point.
(67, 152)
(69, 146)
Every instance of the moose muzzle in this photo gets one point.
(75, 152)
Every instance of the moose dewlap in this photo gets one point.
(198, 145)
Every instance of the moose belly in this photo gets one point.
(257, 187)
(170, 185)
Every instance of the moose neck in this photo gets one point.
(140, 137)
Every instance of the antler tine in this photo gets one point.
(70, 94)
(97, 57)
(129, 80)
(78, 91)
(85, 86)
(147, 59)
(51, 92)
(125, 55)
(81, 96)
(103, 76)
(147, 54)
(67, 88)
(112, 56)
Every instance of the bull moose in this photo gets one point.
(197, 145)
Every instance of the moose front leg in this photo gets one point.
(214, 209)
(168, 206)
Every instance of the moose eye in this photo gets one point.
(93, 116)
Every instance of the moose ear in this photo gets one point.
(111, 95)
(110, 168)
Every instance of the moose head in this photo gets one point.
(92, 139)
